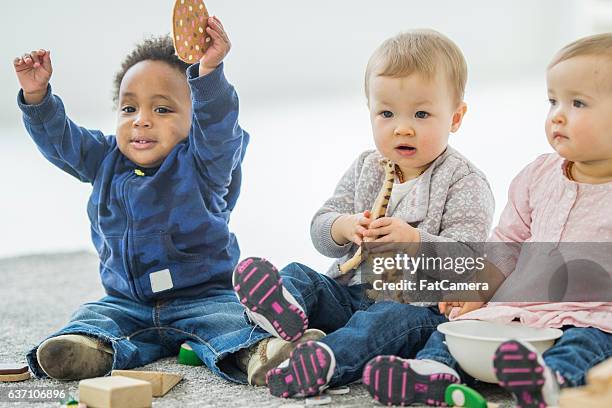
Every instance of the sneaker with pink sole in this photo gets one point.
(521, 370)
(269, 304)
(307, 372)
(393, 380)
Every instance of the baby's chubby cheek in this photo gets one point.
(123, 130)
(123, 139)
(428, 144)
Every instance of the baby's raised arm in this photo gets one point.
(216, 138)
(72, 148)
(34, 71)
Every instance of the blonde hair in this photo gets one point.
(599, 44)
(421, 51)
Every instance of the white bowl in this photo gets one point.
(473, 343)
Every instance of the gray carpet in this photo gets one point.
(39, 293)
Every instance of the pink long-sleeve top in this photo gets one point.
(545, 206)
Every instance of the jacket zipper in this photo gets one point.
(126, 237)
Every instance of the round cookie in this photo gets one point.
(189, 20)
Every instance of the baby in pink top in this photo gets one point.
(561, 197)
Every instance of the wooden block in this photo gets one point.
(600, 376)
(15, 377)
(115, 392)
(585, 397)
(160, 381)
(10, 368)
(11, 372)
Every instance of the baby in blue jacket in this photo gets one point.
(163, 190)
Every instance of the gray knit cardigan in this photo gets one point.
(450, 202)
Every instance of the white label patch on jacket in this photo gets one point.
(161, 280)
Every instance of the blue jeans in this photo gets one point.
(575, 353)
(358, 329)
(213, 325)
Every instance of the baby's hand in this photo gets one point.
(361, 223)
(356, 225)
(34, 72)
(470, 306)
(392, 229)
(350, 228)
(464, 307)
(218, 49)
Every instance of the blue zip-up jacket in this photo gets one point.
(164, 234)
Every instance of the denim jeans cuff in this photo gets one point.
(33, 364)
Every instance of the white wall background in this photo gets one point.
(298, 68)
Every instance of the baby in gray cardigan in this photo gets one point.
(451, 201)
(414, 86)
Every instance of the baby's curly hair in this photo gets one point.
(158, 48)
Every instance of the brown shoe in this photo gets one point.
(74, 357)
